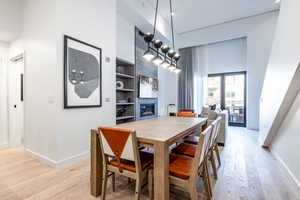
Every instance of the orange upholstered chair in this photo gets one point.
(184, 170)
(187, 110)
(188, 148)
(121, 156)
(186, 114)
(192, 151)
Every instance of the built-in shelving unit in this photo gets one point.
(125, 96)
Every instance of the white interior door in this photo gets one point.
(16, 103)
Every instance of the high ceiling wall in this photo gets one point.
(10, 19)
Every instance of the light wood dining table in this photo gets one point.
(158, 133)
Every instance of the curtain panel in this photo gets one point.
(186, 80)
(192, 79)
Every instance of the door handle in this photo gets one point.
(22, 88)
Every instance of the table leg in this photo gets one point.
(161, 171)
(96, 165)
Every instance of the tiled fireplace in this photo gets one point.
(149, 70)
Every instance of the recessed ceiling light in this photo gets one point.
(277, 1)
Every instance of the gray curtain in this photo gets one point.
(186, 79)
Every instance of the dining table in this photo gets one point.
(158, 133)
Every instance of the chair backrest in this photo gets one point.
(201, 150)
(215, 132)
(186, 114)
(119, 144)
(187, 110)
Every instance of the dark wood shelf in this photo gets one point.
(125, 90)
(124, 104)
(124, 75)
(125, 117)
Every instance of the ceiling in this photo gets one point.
(196, 14)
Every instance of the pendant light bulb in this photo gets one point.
(157, 60)
(148, 37)
(148, 56)
(177, 70)
(165, 64)
(172, 67)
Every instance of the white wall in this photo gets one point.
(3, 95)
(280, 104)
(282, 66)
(125, 39)
(227, 56)
(168, 88)
(259, 45)
(286, 143)
(259, 32)
(10, 19)
(41, 81)
(51, 132)
(95, 24)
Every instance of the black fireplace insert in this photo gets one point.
(147, 110)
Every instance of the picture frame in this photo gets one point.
(82, 74)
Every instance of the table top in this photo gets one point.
(162, 129)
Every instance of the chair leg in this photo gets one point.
(150, 183)
(138, 187)
(207, 177)
(216, 148)
(113, 178)
(194, 193)
(213, 164)
(104, 182)
(206, 185)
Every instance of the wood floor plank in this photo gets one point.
(248, 172)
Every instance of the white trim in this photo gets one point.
(18, 57)
(41, 158)
(60, 163)
(286, 167)
(73, 159)
(4, 145)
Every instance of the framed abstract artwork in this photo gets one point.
(82, 74)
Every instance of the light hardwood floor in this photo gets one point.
(248, 172)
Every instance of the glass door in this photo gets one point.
(214, 91)
(228, 91)
(235, 99)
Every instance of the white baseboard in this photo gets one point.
(4, 146)
(286, 168)
(42, 158)
(252, 129)
(73, 159)
(60, 163)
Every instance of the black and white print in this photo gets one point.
(82, 65)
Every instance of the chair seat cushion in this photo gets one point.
(192, 140)
(180, 166)
(185, 149)
(146, 161)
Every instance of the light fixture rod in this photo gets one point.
(155, 18)
(172, 26)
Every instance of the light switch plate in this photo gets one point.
(107, 59)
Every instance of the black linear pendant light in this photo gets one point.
(159, 54)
